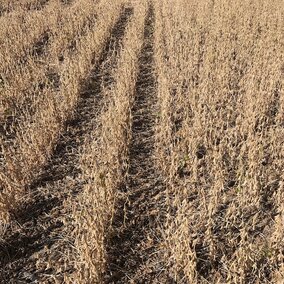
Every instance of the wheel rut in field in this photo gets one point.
(131, 246)
(38, 223)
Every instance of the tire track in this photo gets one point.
(132, 247)
(38, 224)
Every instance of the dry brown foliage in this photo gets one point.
(220, 78)
(141, 141)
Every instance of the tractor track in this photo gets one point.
(132, 247)
(38, 224)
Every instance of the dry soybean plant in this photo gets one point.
(104, 160)
(220, 85)
(38, 132)
(141, 141)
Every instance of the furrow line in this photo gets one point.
(38, 222)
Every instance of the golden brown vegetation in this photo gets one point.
(37, 131)
(141, 141)
(220, 75)
(14, 6)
